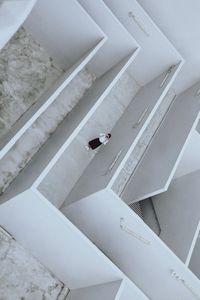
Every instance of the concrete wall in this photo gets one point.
(54, 25)
(178, 212)
(157, 53)
(88, 115)
(106, 291)
(12, 15)
(132, 246)
(119, 44)
(190, 160)
(56, 242)
(22, 276)
(195, 259)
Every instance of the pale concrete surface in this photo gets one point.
(123, 135)
(31, 141)
(142, 144)
(149, 215)
(22, 277)
(159, 163)
(106, 291)
(194, 265)
(60, 181)
(190, 162)
(178, 212)
(26, 71)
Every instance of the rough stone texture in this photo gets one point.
(22, 277)
(32, 140)
(26, 71)
(128, 170)
(61, 180)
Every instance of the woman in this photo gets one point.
(102, 139)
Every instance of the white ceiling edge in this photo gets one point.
(190, 161)
(157, 52)
(180, 22)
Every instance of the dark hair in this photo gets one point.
(109, 135)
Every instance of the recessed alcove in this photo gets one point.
(132, 246)
(12, 15)
(180, 231)
(65, 250)
(165, 150)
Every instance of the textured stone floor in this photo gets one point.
(60, 181)
(33, 139)
(26, 71)
(22, 277)
(142, 144)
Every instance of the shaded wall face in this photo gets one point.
(178, 212)
(22, 276)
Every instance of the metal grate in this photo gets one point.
(137, 209)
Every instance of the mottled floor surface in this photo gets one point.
(36, 136)
(21, 276)
(26, 71)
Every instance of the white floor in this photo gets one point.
(32, 140)
(26, 71)
(22, 276)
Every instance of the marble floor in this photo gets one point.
(60, 181)
(26, 71)
(36, 136)
(22, 277)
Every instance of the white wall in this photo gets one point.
(179, 20)
(124, 136)
(25, 122)
(190, 160)
(148, 265)
(166, 149)
(12, 15)
(195, 259)
(128, 291)
(178, 212)
(64, 29)
(119, 44)
(55, 242)
(56, 182)
(157, 53)
(107, 291)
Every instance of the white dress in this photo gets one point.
(103, 139)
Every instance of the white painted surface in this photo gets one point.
(12, 15)
(58, 184)
(54, 25)
(55, 242)
(193, 245)
(21, 89)
(36, 136)
(124, 137)
(119, 44)
(50, 153)
(105, 119)
(152, 90)
(195, 261)
(128, 291)
(166, 149)
(106, 291)
(22, 276)
(178, 212)
(45, 101)
(117, 290)
(190, 160)
(179, 20)
(88, 107)
(148, 265)
(137, 153)
(157, 53)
